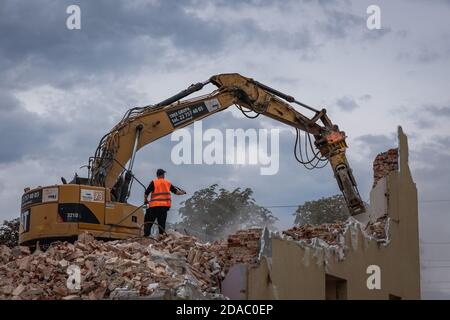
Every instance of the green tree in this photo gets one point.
(213, 212)
(324, 210)
(9, 233)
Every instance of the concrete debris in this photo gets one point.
(328, 241)
(333, 233)
(384, 163)
(331, 236)
(328, 232)
(174, 267)
(243, 247)
(378, 229)
(5, 253)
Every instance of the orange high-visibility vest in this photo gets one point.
(161, 196)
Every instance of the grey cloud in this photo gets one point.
(402, 33)
(347, 103)
(259, 3)
(437, 110)
(403, 56)
(365, 97)
(376, 34)
(437, 2)
(376, 139)
(300, 39)
(429, 114)
(438, 294)
(104, 24)
(340, 22)
(424, 55)
(283, 80)
(117, 38)
(431, 172)
(23, 133)
(427, 56)
(114, 37)
(375, 144)
(425, 123)
(282, 4)
(444, 141)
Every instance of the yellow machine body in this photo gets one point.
(62, 212)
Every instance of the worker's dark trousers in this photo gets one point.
(155, 213)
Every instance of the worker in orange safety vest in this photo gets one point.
(160, 202)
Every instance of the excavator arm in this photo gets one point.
(143, 125)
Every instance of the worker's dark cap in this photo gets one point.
(160, 172)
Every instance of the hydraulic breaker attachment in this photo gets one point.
(333, 147)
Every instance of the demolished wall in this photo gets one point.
(384, 163)
(309, 262)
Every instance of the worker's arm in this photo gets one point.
(150, 189)
(176, 190)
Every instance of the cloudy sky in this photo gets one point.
(61, 90)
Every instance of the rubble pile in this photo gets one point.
(377, 229)
(175, 266)
(243, 247)
(384, 163)
(332, 233)
(328, 232)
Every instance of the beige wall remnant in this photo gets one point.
(362, 267)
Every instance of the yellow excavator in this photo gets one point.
(98, 204)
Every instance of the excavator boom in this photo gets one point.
(98, 203)
(153, 122)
